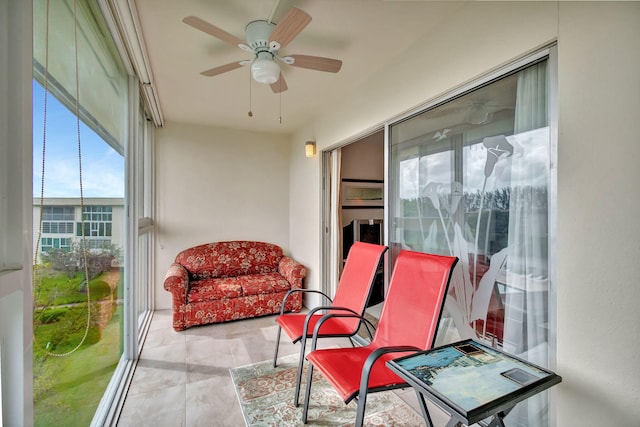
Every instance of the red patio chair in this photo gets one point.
(409, 320)
(352, 294)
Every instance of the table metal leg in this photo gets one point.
(425, 413)
(423, 407)
(498, 419)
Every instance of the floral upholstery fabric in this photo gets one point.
(208, 289)
(222, 281)
(230, 259)
(264, 284)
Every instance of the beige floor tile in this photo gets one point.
(183, 379)
(213, 402)
(163, 407)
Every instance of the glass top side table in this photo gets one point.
(472, 381)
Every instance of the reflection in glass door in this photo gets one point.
(471, 178)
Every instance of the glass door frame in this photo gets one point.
(550, 53)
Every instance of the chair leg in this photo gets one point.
(362, 402)
(307, 394)
(296, 399)
(275, 356)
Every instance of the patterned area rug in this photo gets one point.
(266, 398)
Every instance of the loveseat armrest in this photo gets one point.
(293, 271)
(176, 281)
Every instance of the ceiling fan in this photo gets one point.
(265, 39)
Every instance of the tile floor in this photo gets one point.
(183, 380)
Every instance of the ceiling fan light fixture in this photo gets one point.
(265, 71)
(264, 39)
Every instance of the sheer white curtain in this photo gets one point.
(526, 311)
(336, 222)
(526, 305)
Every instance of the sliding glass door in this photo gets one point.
(471, 177)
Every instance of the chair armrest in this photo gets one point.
(176, 281)
(293, 291)
(316, 331)
(350, 313)
(374, 356)
(293, 271)
(380, 351)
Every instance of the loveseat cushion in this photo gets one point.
(210, 289)
(234, 287)
(230, 259)
(268, 283)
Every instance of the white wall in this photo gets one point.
(598, 201)
(217, 184)
(364, 159)
(304, 210)
(598, 349)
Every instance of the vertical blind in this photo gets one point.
(102, 79)
(11, 151)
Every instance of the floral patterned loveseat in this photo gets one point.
(222, 281)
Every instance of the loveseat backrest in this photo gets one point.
(230, 259)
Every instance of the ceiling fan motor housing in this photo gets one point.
(258, 33)
(263, 69)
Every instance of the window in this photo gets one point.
(90, 345)
(97, 222)
(57, 227)
(470, 177)
(58, 213)
(97, 213)
(55, 243)
(144, 202)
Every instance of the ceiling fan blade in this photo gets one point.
(279, 86)
(317, 63)
(290, 26)
(221, 69)
(211, 29)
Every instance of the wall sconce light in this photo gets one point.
(310, 148)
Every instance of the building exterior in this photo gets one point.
(59, 221)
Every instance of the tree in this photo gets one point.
(62, 260)
(70, 261)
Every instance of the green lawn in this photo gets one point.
(68, 389)
(79, 380)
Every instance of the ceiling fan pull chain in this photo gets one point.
(250, 114)
(281, 103)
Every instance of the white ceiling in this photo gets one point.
(364, 34)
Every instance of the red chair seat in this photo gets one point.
(293, 324)
(346, 376)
